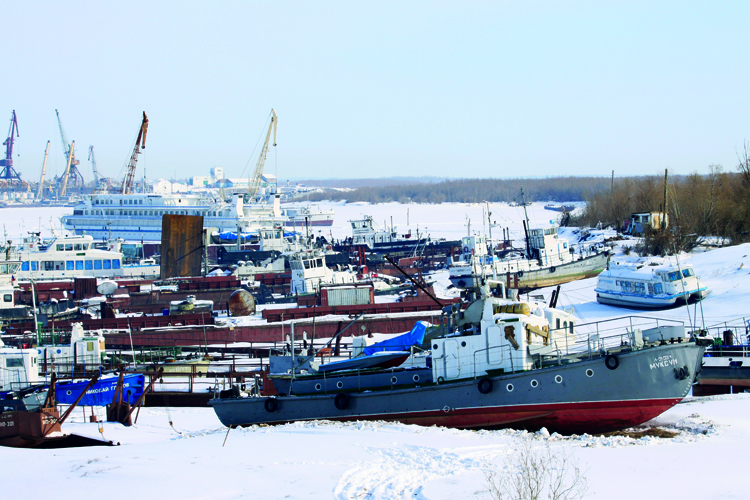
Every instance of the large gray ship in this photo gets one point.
(503, 363)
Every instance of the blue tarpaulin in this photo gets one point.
(402, 342)
(102, 392)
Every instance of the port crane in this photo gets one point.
(253, 185)
(72, 174)
(40, 191)
(8, 173)
(140, 143)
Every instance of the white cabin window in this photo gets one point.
(8, 297)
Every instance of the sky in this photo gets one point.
(377, 89)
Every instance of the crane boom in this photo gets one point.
(67, 149)
(44, 170)
(93, 166)
(140, 143)
(8, 173)
(253, 185)
(64, 184)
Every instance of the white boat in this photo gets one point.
(68, 257)
(550, 261)
(309, 272)
(642, 286)
(138, 216)
(365, 234)
(304, 216)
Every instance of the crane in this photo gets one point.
(71, 172)
(140, 142)
(66, 176)
(93, 167)
(253, 185)
(44, 170)
(8, 173)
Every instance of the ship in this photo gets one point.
(548, 261)
(138, 216)
(503, 363)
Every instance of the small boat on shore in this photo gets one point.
(649, 287)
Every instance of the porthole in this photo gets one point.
(589, 372)
(534, 383)
(463, 344)
(434, 346)
(509, 387)
(394, 380)
(318, 387)
(339, 384)
(558, 379)
(415, 378)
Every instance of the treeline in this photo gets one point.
(698, 205)
(472, 191)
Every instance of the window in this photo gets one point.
(24, 266)
(8, 297)
(115, 263)
(85, 246)
(88, 265)
(60, 247)
(77, 246)
(658, 289)
(14, 362)
(89, 346)
(107, 264)
(70, 265)
(79, 265)
(97, 264)
(69, 247)
(688, 272)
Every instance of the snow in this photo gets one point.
(378, 460)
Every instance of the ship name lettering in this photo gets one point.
(663, 362)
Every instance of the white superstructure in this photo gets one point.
(139, 216)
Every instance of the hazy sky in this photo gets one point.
(374, 89)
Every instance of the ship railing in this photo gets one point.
(599, 337)
(731, 338)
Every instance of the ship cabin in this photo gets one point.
(497, 335)
(547, 247)
(309, 272)
(364, 233)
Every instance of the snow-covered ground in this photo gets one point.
(380, 460)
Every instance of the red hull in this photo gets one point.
(566, 418)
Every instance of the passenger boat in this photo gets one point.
(643, 286)
(139, 216)
(548, 261)
(69, 257)
(503, 363)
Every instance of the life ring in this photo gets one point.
(485, 386)
(466, 249)
(441, 380)
(552, 269)
(341, 401)
(271, 405)
(611, 362)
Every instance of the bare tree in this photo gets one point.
(536, 474)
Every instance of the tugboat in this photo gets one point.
(505, 363)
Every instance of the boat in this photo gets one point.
(559, 208)
(647, 286)
(547, 261)
(306, 216)
(366, 235)
(138, 216)
(505, 363)
(68, 257)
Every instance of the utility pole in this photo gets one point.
(664, 214)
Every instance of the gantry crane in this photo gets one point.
(72, 174)
(253, 185)
(140, 143)
(8, 173)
